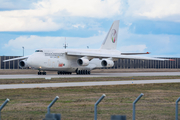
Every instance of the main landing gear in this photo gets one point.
(83, 72)
(63, 73)
(41, 73)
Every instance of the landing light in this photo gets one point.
(40, 67)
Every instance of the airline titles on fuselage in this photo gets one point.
(54, 55)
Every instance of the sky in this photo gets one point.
(145, 25)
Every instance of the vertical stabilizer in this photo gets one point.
(110, 41)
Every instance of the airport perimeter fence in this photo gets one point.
(83, 109)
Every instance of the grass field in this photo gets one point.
(77, 103)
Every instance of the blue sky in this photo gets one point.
(145, 25)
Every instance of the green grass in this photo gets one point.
(76, 103)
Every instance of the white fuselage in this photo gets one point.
(57, 60)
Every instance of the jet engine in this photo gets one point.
(107, 63)
(83, 62)
(23, 64)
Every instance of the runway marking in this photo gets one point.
(76, 84)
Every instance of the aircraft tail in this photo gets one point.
(110, 41)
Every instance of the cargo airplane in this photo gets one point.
(66, 61)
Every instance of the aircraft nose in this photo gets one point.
(34, 62)
(31, 61)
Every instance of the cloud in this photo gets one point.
(32, 42)
(48, 15)
(159, 45)
(133, 48)
(78, 25)
(155, 9)
(162, 44)
(85, 8)
(52, 15)
(16, 4)
(28, 24)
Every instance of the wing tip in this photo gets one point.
(172, 60)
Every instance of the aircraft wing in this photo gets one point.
(19, 58)
(92, 55)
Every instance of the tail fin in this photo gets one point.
(110, 41)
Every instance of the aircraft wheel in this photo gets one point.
(83, 72)
(79, 72)
(39, 73)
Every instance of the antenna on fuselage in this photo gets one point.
(65, 45)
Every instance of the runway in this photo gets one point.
(92, 75)
(77, 84)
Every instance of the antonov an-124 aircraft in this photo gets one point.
(66, 61)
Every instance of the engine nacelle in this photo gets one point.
(107, 63)
(23, 64)
(83, 62)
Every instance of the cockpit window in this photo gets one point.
(39, 51)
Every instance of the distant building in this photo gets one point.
(128, 64)
(120, 64)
